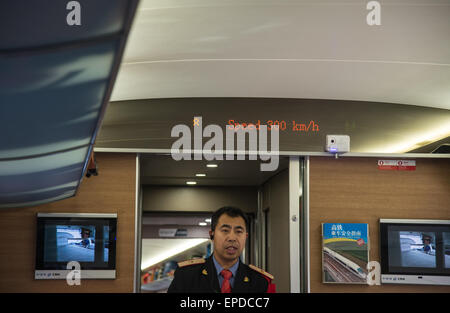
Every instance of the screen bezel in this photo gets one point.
(438, 227)
(77, 220)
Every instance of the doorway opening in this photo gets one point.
(178, 199)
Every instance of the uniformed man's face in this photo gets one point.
(230, 235)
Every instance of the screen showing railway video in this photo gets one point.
(412, 249)
(65, 243)
(416, 250)
(446, 236)
(86, 238)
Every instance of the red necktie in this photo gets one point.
(226, 286)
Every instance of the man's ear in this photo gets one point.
(211, 235)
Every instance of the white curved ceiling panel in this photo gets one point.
(289, 49)
(289, 30)
(420, 85)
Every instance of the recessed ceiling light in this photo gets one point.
(208, 220)
(417, 139)
(202, 224)
(211, 165)
(172, 250)
(200, 175)
(191, 183)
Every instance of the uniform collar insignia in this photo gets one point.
(204, 272)
(246, 279)
(261, 271)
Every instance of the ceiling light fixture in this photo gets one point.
(191, 183)
(202, 224)
(418, 140)
(200, 175)
(184, 245)
(211, 165)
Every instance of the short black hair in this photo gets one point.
(230, 211)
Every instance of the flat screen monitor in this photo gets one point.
(88, 239)
(415, 251)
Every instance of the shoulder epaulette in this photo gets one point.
(191, 262)
(261, 271)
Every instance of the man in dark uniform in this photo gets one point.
(223, 271)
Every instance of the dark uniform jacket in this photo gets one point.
(200, 275)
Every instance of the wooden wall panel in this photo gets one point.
(353, 190)
(112, 191)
